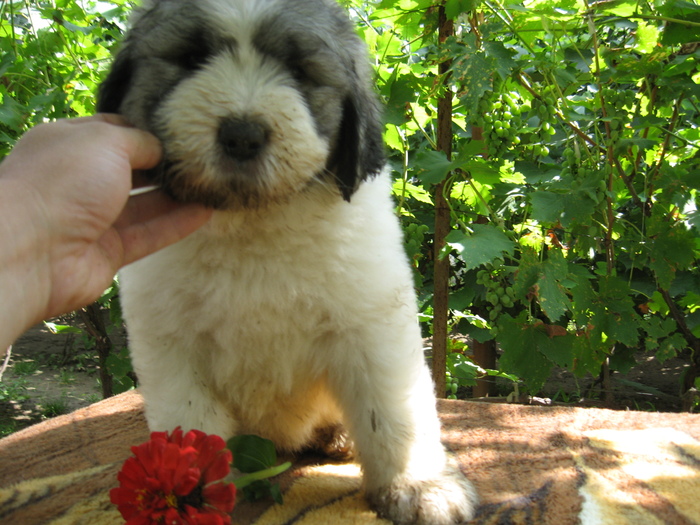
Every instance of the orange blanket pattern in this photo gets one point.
(530, 464)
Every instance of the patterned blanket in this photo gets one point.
(530, 464)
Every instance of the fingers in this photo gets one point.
(108, 118)
(142, 148)
(143, 208)
(143, 238)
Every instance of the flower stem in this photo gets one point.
(247, 479)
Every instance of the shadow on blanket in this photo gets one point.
(539, 465)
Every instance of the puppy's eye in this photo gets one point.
(305, 72)
(192, 61)
(298, 72)
(194, 55)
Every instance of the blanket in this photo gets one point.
(530, 464)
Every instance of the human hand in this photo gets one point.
(68, 223)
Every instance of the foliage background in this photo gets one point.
(571, 177)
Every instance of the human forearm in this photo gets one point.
(24, 279)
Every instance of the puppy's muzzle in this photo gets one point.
(242, 139)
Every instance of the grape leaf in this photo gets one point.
(485, 244)
(552, 297)
(432, 166)
(251, 453)
(520, 354)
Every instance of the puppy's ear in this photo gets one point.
(359, 149)
(114, 88)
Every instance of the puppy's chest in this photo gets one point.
(283, 259)
(299, 246)
(254, 272)
(253, 279)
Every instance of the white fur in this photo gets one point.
(296, 313)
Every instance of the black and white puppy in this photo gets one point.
(293, 310)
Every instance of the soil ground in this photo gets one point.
(50, 374)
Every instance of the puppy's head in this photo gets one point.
(253, 99)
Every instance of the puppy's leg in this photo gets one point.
(387, 396)
(174, 395)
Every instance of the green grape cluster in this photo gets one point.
(414, 235)
(499, 293)
(618, 103)
(619, 100)
(576, 172)
(451, 386)
(546, 113)
(571, 163)
(502, 122)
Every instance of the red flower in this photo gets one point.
(176, 479)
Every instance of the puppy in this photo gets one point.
(293, 311)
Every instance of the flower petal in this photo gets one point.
(218, 469)
(220, 496)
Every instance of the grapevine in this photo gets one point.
(502, 122)
(499, 293)
(414, 236)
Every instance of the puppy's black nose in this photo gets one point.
(242, 139)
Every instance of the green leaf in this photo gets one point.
(585, 299)
(623, 359)
(122, 384)
(252, 453)
(676, 33)
(521, 356)
(558, 349)
(462, 299)
(547, 206)
(62, 329)
(402, 91)
(276, 493)
(119, 364)
(535, 173)
(432, 166)
(646, 37)
(551, 292)
(502, 58)
(617, 7)
(671, 347)
(463, 369)
(416, 192)
(453, 8)
(672, 250)
(259, 490)
(485, 244)
(589, 354)
(552, 297)
(474, 75)
(528, 273)
(12, 113)
(480, 334)
(619, 320)
(658, 329)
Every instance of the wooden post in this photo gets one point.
(441, 267)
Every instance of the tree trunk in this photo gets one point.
(442, 220)
(485, 357)
(95, 327)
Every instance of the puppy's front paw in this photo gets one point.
(444, 500)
